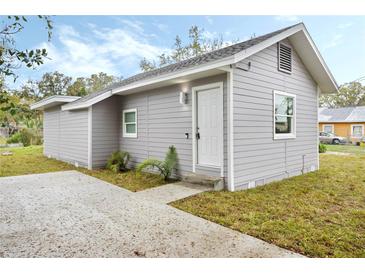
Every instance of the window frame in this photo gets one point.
(332, 128)
(357, 125)
(125, 133)
(292, 135)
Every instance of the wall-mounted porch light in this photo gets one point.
(183, 98)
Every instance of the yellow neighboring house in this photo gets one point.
(346, 122)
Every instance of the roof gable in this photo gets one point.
(297, 34)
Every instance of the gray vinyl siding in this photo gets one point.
(258, 158)
(51, 124)
(74, 136)
(105, 130)
(65, 135)
(163, 121)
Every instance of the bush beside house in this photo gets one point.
(322, 148)
(26, 136)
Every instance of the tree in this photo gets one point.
(29, 91)
(78, 87)
(196, 46)
(15, 111)
(51, 83)
(146, 65)
(349, 95)
(11, 58)
(54, 83)
(99, 81)
(83, 86)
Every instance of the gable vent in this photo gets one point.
(285, 58)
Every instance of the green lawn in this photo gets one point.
(347, 149)
(30, 160)
(319, 214)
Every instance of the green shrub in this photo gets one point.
(165, 167)
(14, 139)
(322, 148)
(118, 161)
(27, 137)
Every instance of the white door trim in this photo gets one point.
(194, 92)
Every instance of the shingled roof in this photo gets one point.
(341, 115)
(199, 60)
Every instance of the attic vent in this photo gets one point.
(285, 58)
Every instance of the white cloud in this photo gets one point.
(136, 25)
(287, 18)
(99, 49)
(338, 37)
(209, 35)
(209, 19)
(344, 25)
(336, 40)
(162, 27)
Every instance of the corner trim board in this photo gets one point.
(230, 146)
(90, 138)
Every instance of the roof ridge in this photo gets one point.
(201, 59)
(214, 51)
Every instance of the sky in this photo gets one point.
(82, 45)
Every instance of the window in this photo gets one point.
(130, 123)
(284, 58)
(357, 130)
(328, 128)
(284, 115)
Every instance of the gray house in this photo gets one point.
(246, 113)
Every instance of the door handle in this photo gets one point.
(197, 135)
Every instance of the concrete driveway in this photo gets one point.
(69, 214)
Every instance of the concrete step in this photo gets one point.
(216, 183)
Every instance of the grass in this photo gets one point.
(319, 214)
(347, 149)
(30, 160)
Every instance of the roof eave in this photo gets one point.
(186, 72)
(88, 103)
(324, 77)
(327, 83)
(53, 101)
(325, 80)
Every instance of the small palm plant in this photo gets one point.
(118, 161)
(165, 167)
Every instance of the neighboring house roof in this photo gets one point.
(219, 59)
(52, 101)
(341, 115)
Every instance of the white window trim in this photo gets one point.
(357, 125)
(125, 134)
(332, 127)
(278, 136)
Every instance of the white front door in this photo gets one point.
(209, 126)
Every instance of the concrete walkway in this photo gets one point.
(69, 214)
(172, 192)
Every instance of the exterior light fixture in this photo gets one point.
(183, 98)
